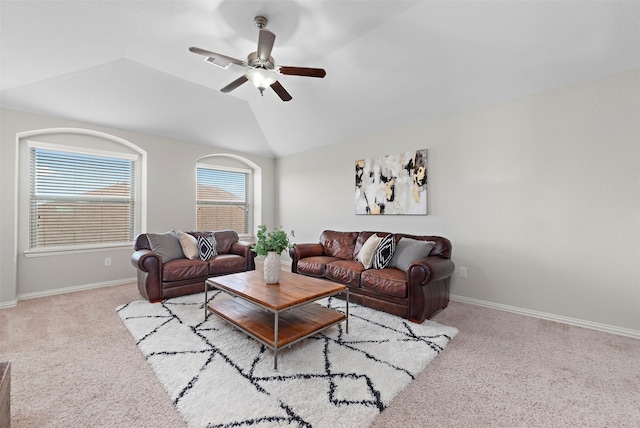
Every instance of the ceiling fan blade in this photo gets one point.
(231, 86)
(281, 91)
(218, 59)
(265, 44)
(303, 71)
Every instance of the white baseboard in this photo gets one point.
(551, 317)
(9, 304)
(64, 290)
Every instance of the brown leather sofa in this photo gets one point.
(158, 281)
(416, 294)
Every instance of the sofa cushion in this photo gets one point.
(207, 247)
(181, 269)
(314, 265)
(408, 250)
(344, 272)
(167, 245)
(225, 239)
(365, 256)
(189, 245)
(226, 263)
(384, 252)
(389, 281)
(339, 244)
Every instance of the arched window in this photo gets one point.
(84, 191)
(225, 194)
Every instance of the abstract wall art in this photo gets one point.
(392, 184)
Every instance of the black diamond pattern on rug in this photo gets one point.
(219, 377)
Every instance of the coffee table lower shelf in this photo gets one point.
(276, 330)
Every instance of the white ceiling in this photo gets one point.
(125, 64)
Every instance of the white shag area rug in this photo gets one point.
(219, 377)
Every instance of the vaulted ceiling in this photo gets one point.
(126, 64)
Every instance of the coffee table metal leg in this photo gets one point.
(206, 312)
(347, 323)
(275, 341)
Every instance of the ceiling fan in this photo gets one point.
(262, 67)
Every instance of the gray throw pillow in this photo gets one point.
(166, 244)
(408, 250)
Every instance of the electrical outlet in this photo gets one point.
(463, 272)
(107, 261)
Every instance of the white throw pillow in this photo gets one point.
(189, 245)
(365, 256)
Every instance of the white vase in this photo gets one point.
(272, 268)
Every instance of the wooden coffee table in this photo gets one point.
(276, 315)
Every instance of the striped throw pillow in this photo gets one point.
(207, 247)
(384, 252)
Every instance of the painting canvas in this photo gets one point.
(392, 184)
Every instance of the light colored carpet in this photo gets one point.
(74, 364)
(218, 376)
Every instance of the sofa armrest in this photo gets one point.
(243, 249)
(149, 267)
(430, 269)
(428, 285)
(146, 260)
(301, 251)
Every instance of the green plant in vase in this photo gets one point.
(271, 245)
(277, 240)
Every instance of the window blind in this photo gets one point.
(79, 199)
(223, 200)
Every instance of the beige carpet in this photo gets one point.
(75, 364)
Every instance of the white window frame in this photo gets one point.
(139, 158)
(249, 196)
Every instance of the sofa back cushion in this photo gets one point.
(224, 240)
(339, 244)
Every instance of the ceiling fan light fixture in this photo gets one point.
(261, 78)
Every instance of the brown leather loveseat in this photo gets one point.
(411, 288)
(170, 273)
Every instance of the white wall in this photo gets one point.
(171, 205)
(540, 197)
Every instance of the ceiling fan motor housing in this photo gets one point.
(254, 61)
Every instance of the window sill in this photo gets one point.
(76, 250)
